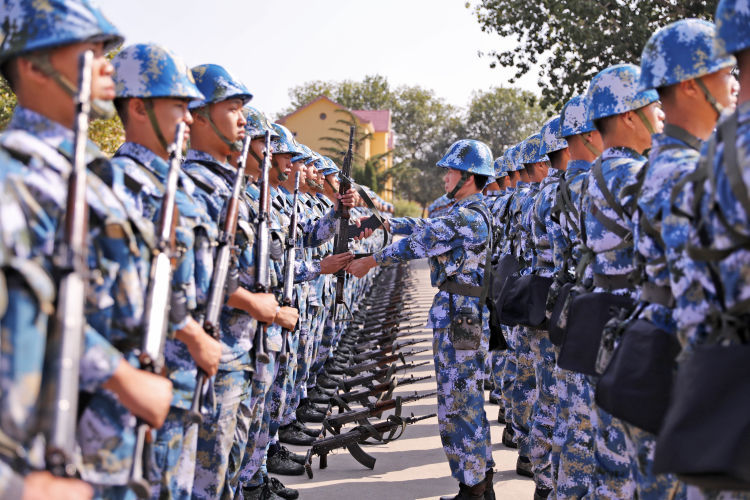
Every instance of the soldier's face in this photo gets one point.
(655, 116)
(228, 118)
(450, 179)
(724, 87)
(299, 166)
(65, 60)
(283, 162)
(169, 113)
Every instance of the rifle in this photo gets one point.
(383, 390)
(291, 242)
(333, 423)
(221, 270)
(341, 243)
(262, 236)
(352, 439)
(63, 350)
(382, 374)
(359, 357)
(157, 304)
(369, 365)
(383, 341)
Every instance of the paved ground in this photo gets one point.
(413, 467)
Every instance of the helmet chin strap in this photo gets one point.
(149, 105)
(235, 146)
(645, 121)
(464, 177)
(588, 145)
(100, 109)
(718, 108)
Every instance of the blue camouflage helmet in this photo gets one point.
(257, 123)
(551, 140)
(304, 155)
(329, 166)
(732, 27)
(516, 157)
(531, 150)
(31, 26)
(614, 91)
(681, 51)
(470, 156)
(499, 167)
(217, 85)
(149, 71)
(284, 143)
(574, 117)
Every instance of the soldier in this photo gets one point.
(625, 117)
(457, 247)
(39, 59)
(694, 86)
(153, 88)
(547, 374)
(719, 234)
(577, 467)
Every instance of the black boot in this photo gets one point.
(307, 430)
(501, 415)
(317, 396)
(323, 390)
(279, 462)
(292, 435)
(494, 399)
(306, 412)
(292, 456)
(541, 492)
(523, 467)
(509, 437)
(278, 488)
(475, 492)
(261, 492)
(489, 490)
(329, 382)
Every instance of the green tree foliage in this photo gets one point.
(7, 103)
(571, 41)
(406, 208)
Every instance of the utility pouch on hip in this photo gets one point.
(466, 330)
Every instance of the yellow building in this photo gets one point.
(318, 119)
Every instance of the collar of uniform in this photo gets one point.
(50, 132)
(477, 197)
(622, 152)
(522, 184)
(225, 170)
(743, 112)
(145, 157)
(661, 140)
(555, 173)
(575, 167)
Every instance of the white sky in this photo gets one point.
(274, 45)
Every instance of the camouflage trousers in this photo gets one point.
(509, 373)
(247, 432)
(106, 492)
(577, 464)
(649, 486)
(614, 478)
(320, 314)
(695, 493)
(497, 366)
(257, 444)
(173, 466)
(545, 406)
(524, 390)
(562, 419)
(327, 342)
(217, 434)
(301, 375)
(283, 387)
(464, 429)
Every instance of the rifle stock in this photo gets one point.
(337, 421)
(63, 350)
(219, 278)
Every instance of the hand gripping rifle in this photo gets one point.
(341, 242)
(382, 432)
(216, 293)
(333, 423)
(262, 251)
(157, 304)
(63, 350)
(291, 242)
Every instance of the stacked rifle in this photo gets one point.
(371, 358)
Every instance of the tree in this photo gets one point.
(502, 117)
(573, 40)
(7, 103)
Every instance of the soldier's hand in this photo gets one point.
(336, 262)
(360, 267)
(349, 199)
(287, 317)
(265, 305)
(43, 485)
(204, 349)
(144, 394)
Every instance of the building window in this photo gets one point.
(323, 116)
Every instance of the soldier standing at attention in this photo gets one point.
(456, 244)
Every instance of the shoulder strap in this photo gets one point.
(481, 210)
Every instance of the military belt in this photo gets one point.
(655, 294)
(454, 287)
(613, 281)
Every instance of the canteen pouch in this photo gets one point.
(558, 319)
(588, 314)
(504, 272)
(637, 383)
(705, 437)
(466, 329)
(526, 300)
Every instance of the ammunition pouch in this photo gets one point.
(637, 384)
(587, 315)
(558, 320)
(466, 330)
(504, 273)
(525, 301)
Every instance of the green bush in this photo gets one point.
(406, 208)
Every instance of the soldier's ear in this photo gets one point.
(137, 110)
